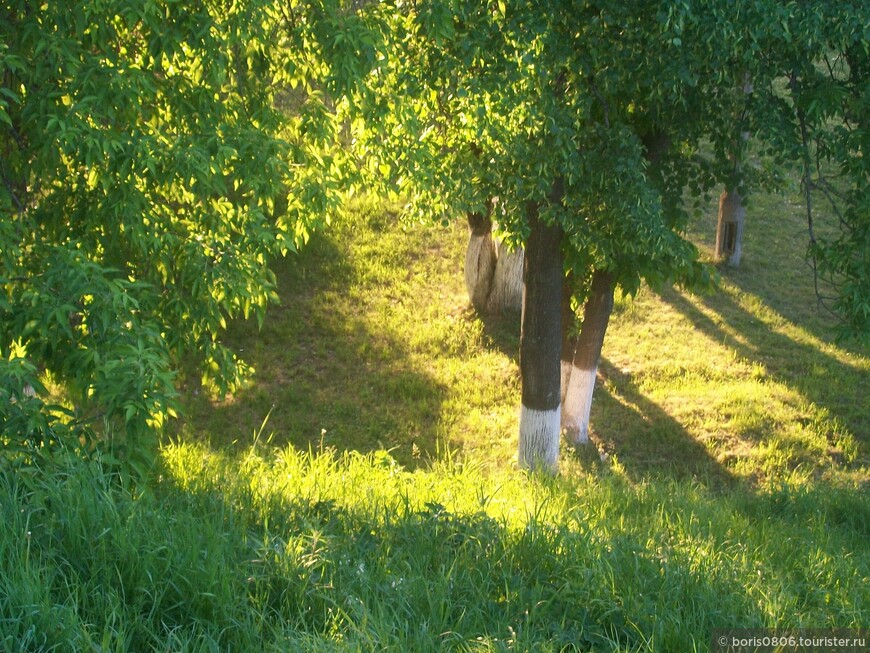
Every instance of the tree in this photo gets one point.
(581, 353)
(732, 209)
(824, 127)
(625, 109)
(546, 107)
(146, 181)
(806, 108)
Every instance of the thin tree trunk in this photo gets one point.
(580, 362)
(540, 342)
(581, 350)
(569, 336)
(732, 209)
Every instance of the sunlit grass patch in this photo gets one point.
(380, 508)
(268, 548)
(375, 347)
(650, 563)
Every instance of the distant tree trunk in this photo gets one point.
(493, 275)
(507, 282)
(581, 353)
(729, 228)
(480, 260)
(732, 210)
(540, 342)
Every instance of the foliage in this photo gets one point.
(499, 99)
(807, 108)
(830, 131)
(146, 181)
(734, 490)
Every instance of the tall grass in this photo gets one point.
(290, 550)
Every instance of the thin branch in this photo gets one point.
(824, 187)
(11, 189)
(806, 187)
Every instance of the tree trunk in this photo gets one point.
(540, 343)
(729, 229)
(507, 282)
(732, 210)
(480, 260)
(580, 355)
(493, 275)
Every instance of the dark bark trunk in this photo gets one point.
(656, 144)
(540, 342)
(579, 371)
(596, 317)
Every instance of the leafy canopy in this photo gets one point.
(147, 178)
(632, 106)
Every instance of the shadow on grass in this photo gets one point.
(323, 377)
(775, 266)
(838, 388)
(425, 578)
(502, 331)
(646, 440)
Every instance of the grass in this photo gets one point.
(374, 347)
(359, 494)
(289, 550)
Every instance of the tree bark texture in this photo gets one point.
(729, 228)
(480, 260)
(540, 343)
(493, 274)
(732, 210)
(581, 353)
(506, 294)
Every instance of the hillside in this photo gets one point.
(360, 493)
(376, 347)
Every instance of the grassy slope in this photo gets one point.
(733, 492)
(375, 347)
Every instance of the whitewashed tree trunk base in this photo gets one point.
(729, 228)
(539, 439)
(577, 389)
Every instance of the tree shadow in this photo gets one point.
(831, 384)
(502, 331)
(645, 440)
(561, 586)
(775, 265)
(317, 362)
